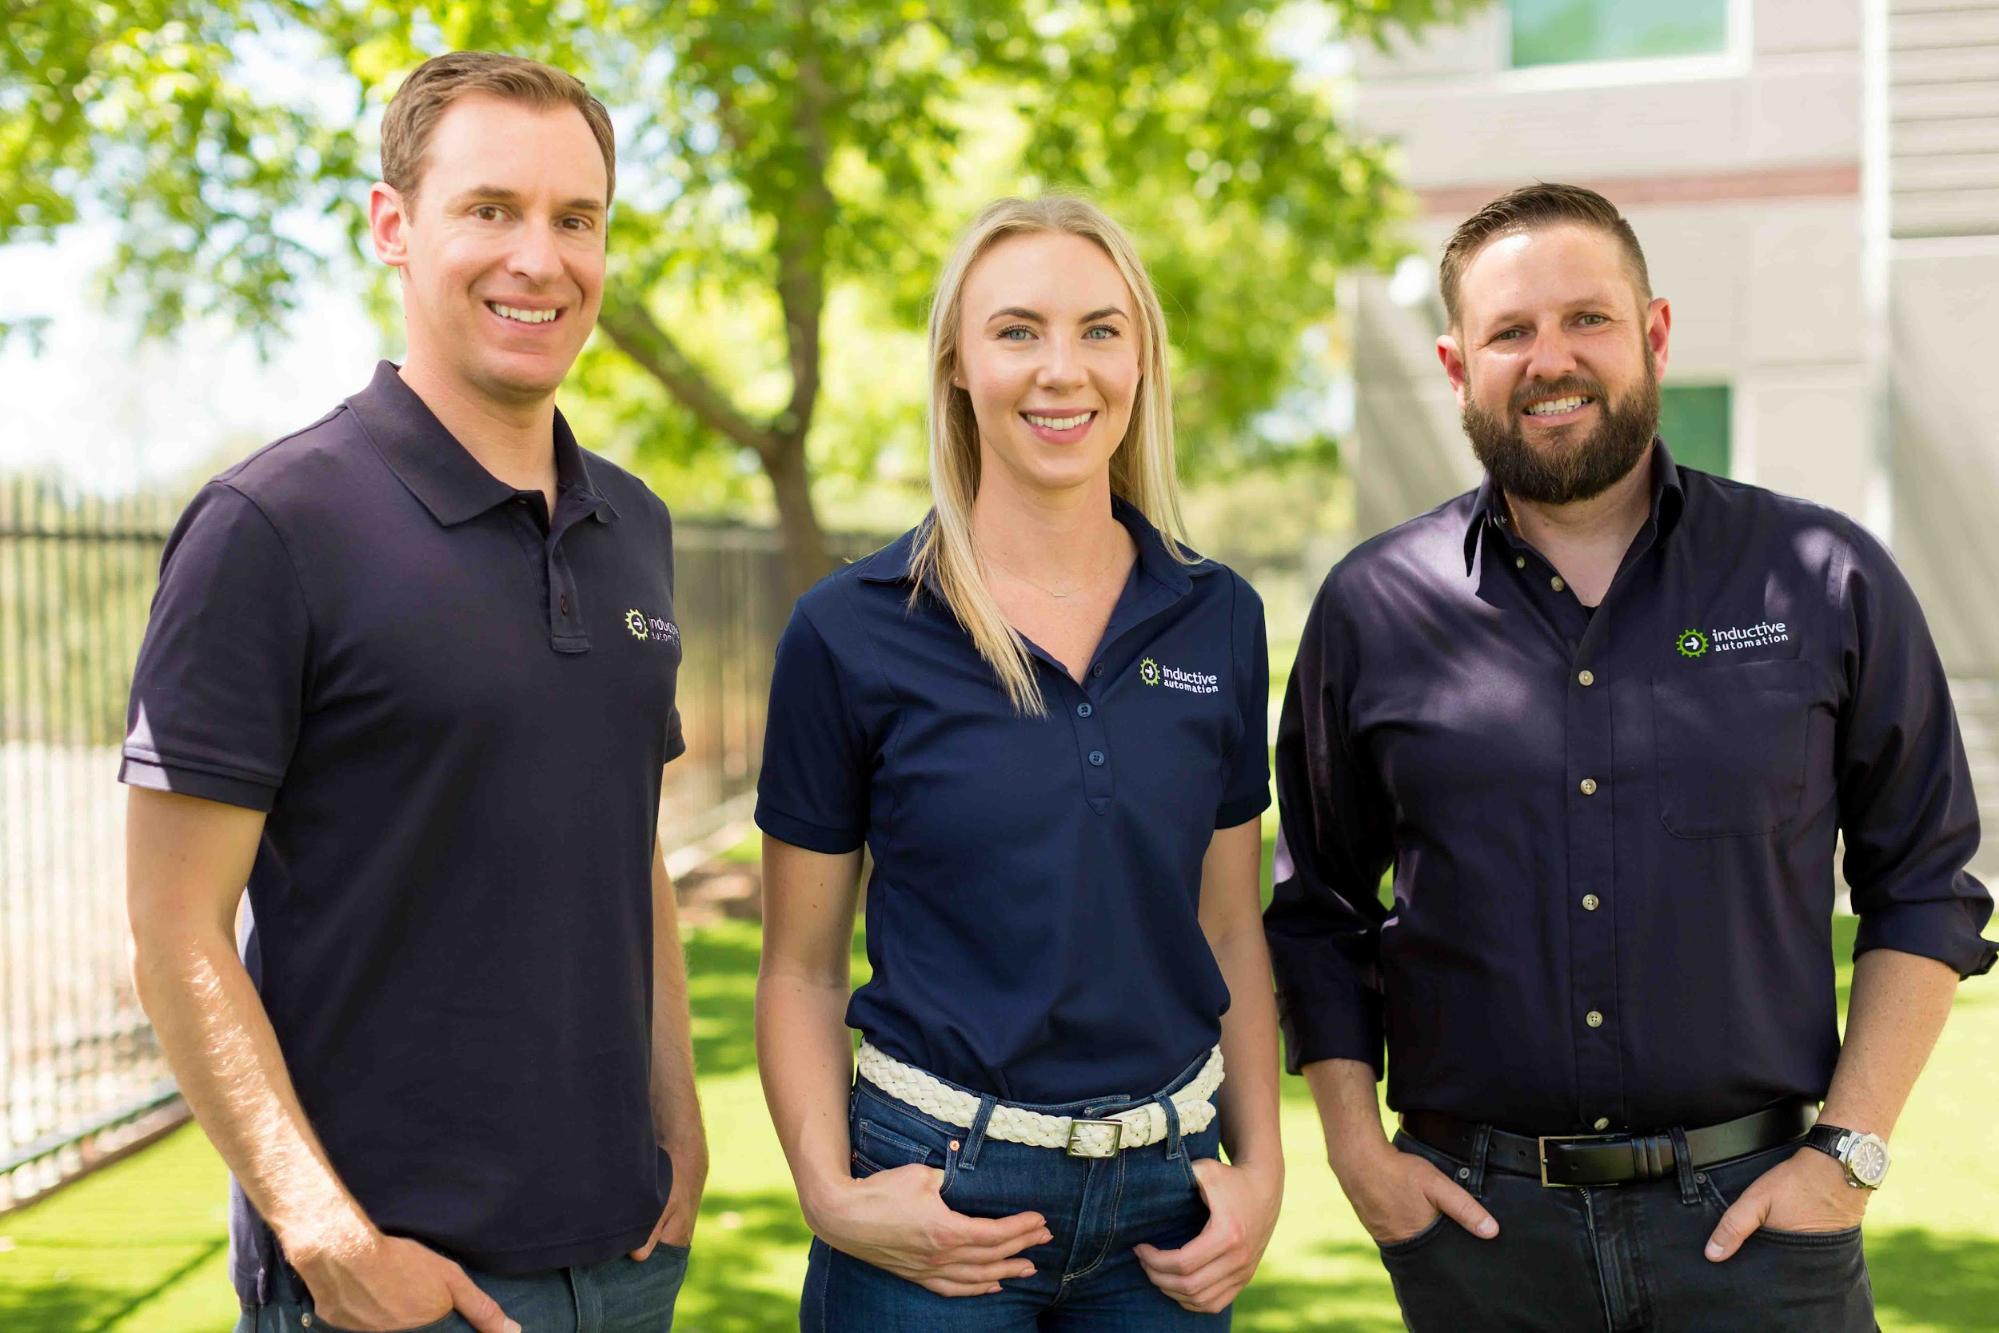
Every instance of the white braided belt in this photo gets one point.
(1135, 1128)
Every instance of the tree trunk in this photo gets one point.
(800, 537)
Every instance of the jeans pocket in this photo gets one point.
(876, 1147)
(1809, 1240)
(1402, 1248)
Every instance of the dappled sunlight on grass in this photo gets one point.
(140, 1246)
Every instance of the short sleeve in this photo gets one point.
(813, 790)
(218, 689)
(1246, 789)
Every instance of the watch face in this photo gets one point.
(1868, 1160)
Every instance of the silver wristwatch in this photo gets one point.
(1865, 1156)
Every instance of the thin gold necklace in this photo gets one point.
(1084, 586)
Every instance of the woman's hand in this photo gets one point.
(898, 1220)
(1205, 1274)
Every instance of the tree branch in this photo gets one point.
(641, 338)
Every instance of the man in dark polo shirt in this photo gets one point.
(1605, 717)
(410, 677)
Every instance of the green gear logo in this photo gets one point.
(1148, 671)
(1692, 643)
(635, 621)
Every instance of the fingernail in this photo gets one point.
(993, 1290)
(1488, 1228)
(1714, 1249)
(512, 1327)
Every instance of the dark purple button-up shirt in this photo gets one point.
(1612, 831)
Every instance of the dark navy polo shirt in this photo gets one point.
(1613, 833)
(455, 708)
(1032, 917)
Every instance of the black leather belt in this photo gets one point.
(1611, 1159)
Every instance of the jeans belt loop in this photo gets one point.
(1172, 1114)
(1481, 1146)
(1683, 1158)
(975, 1137)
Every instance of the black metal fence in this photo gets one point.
(80, 1071)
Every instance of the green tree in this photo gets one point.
(772, 151)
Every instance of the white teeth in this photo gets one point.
(522, 316)
(1556, 406)
(1059, 423)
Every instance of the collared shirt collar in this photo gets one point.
(451, 483)
(891, 563)
(1669, 497)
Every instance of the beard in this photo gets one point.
(1562, 471)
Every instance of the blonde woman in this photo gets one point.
(1044, 717)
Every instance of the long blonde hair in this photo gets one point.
(946, 557)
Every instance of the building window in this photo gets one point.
(1558, 32)
(1693, 420)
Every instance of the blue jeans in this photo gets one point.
(613, 1296)
(1623, 1258)
(1085, 1278)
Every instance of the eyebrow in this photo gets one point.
(501, 194)
(1022, 312)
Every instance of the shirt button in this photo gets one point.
(1097, 670)
(1593, 1018)
(1586, 678)
(562, 603)
(1591, 902)
(1084, 710)
(1587, 786)
(1556, 583)
(1601, 1123)
(1520, 562)
(1097, 758)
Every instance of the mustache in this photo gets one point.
(1564, 387)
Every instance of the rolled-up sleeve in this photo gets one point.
(1335, 840)
(218, 690)
(813, 790)
(1905, 798)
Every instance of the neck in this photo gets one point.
(1055, 537)
(1607, 521)
(513, 441)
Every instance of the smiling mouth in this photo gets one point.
(1555, 407)
(1069, 422)
(521, 315)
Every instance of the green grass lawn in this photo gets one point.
(141, 1245)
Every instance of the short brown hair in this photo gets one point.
(1541, 204)
(434, 85)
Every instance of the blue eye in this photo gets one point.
(1008, 333)
(1104, 329)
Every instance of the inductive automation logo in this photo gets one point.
(1732, 638)
(652, 629)
(1173, 678)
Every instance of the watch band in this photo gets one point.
(1839, 1143)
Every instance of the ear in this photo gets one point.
(388, 224)
(1453, 360)
(1658, 328)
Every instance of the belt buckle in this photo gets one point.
(1541, 1143)
(1117, 1137)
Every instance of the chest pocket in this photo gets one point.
(1730, 742)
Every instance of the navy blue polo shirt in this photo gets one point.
(454, 707)
(1612, 832)
(1032, 917)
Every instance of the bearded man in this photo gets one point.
(1606, 717)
